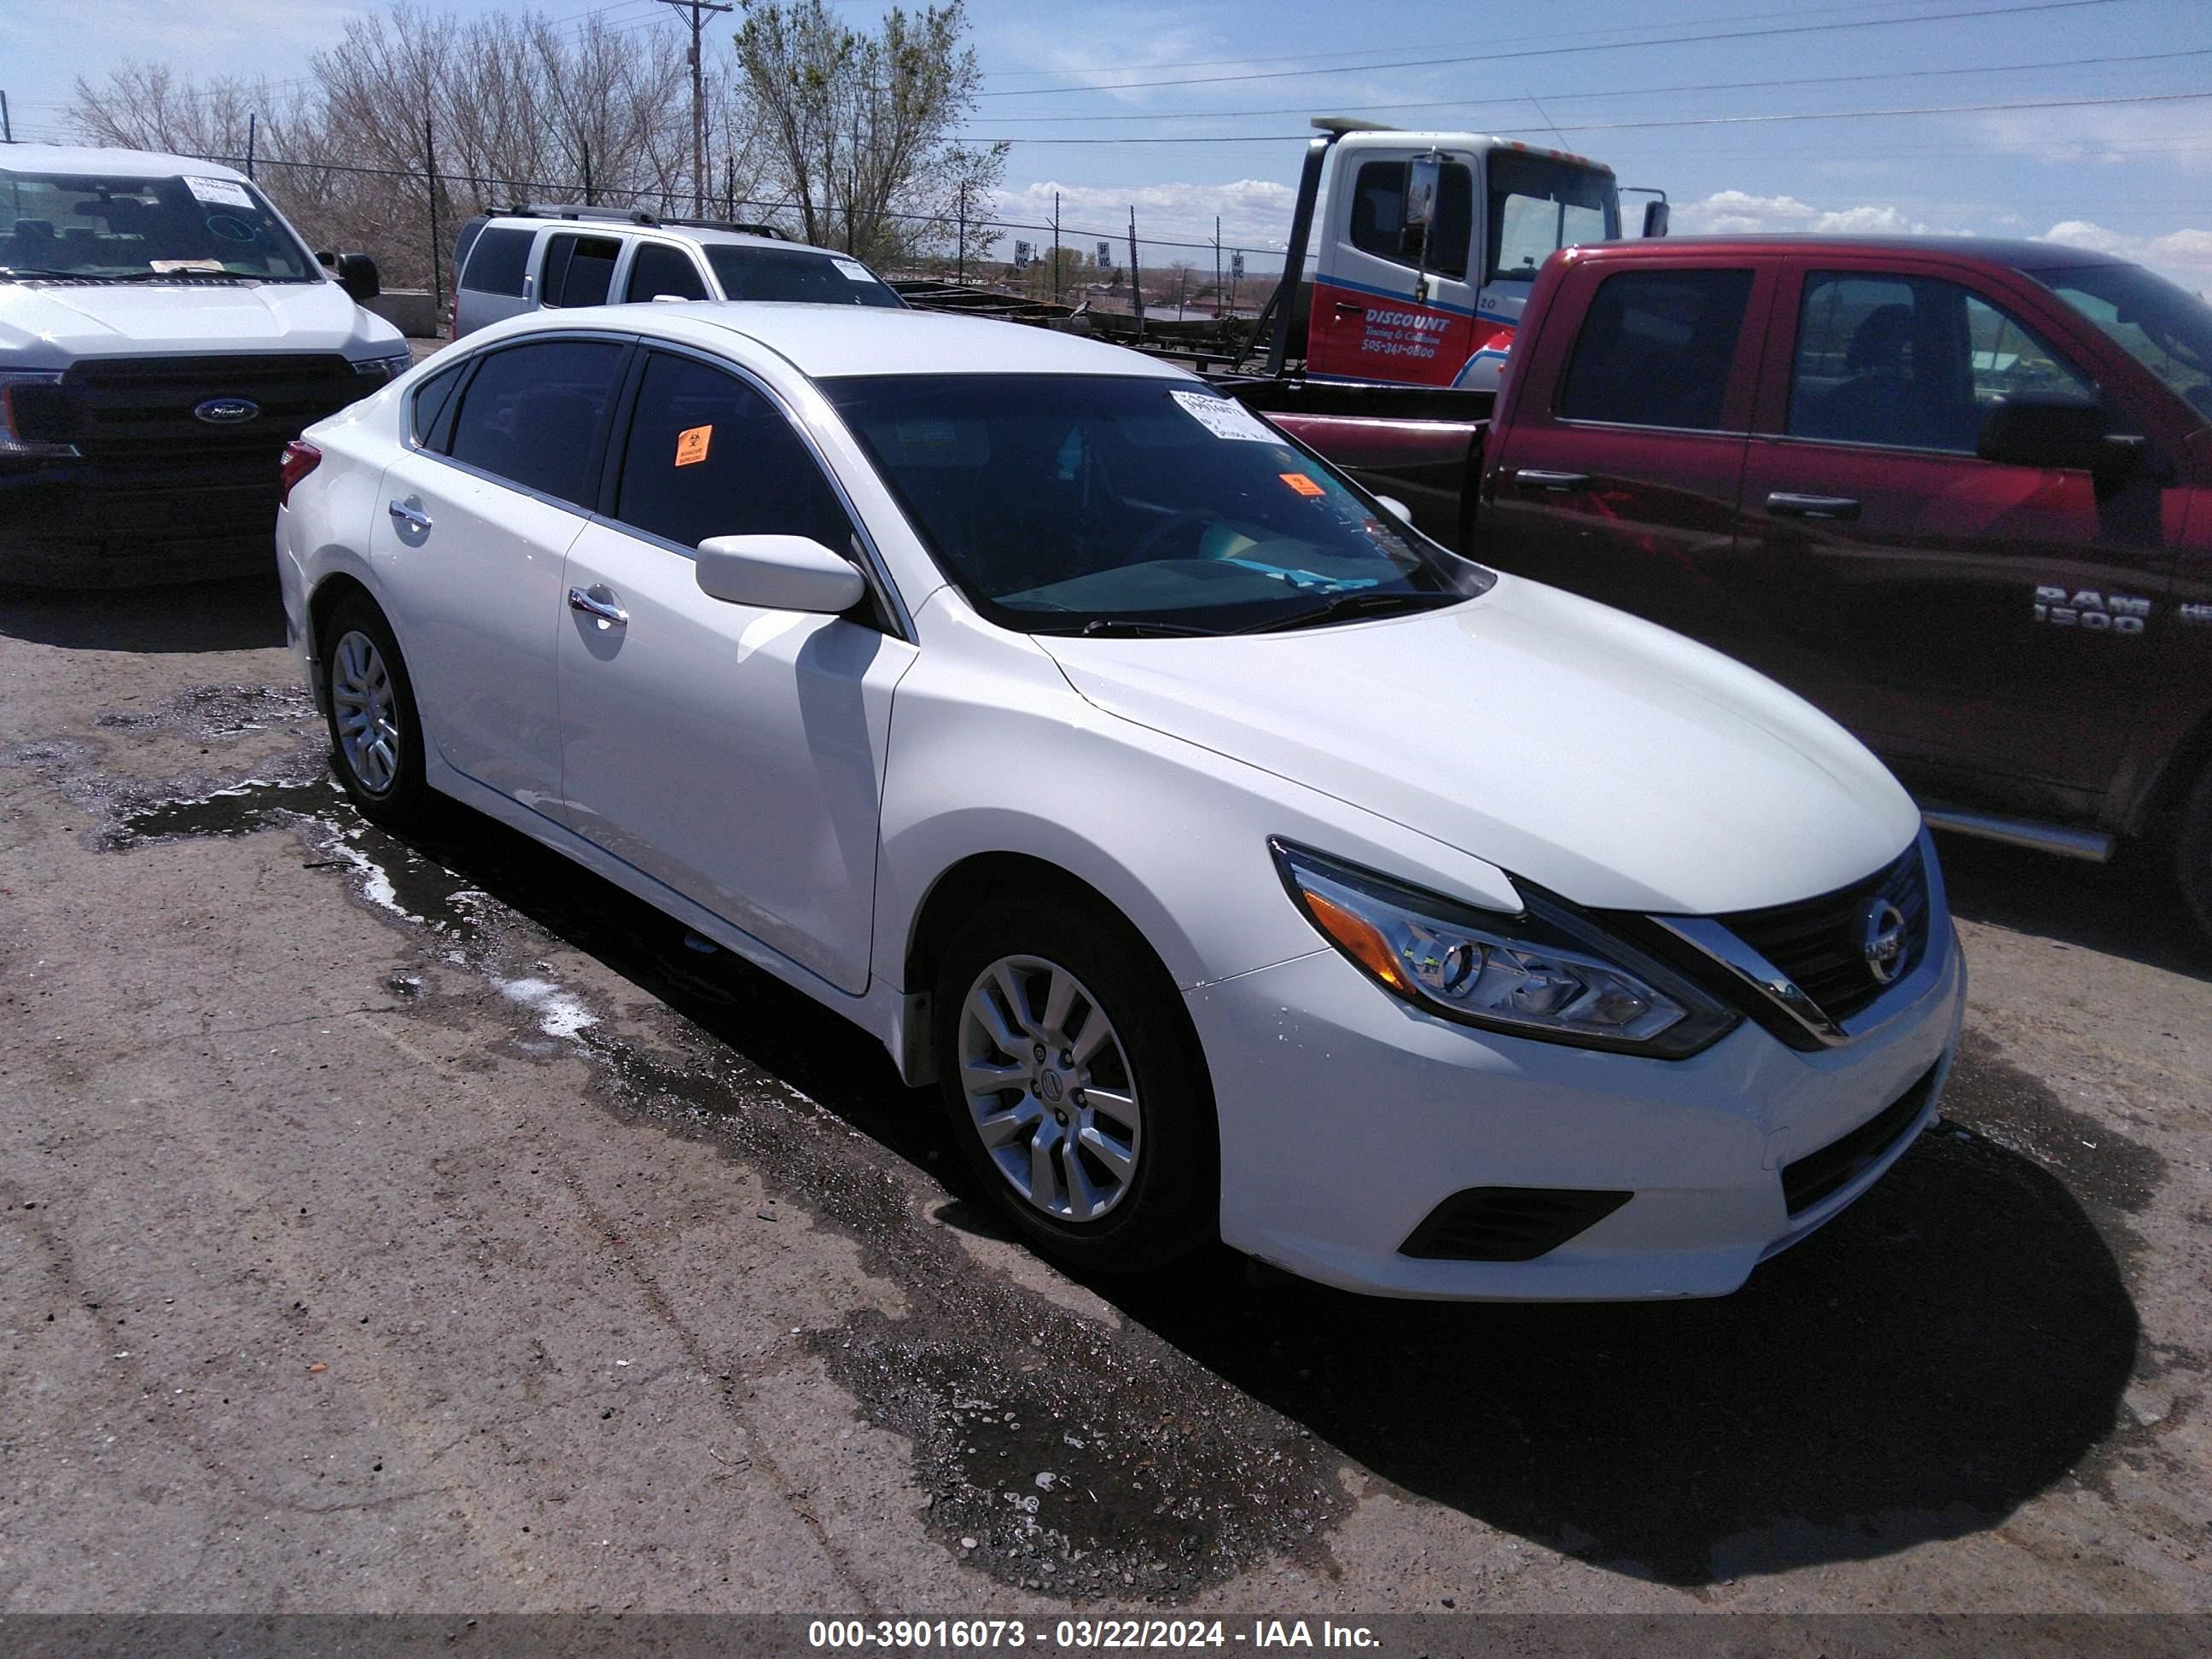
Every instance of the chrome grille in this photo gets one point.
(1818, 943)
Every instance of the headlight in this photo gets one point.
(388, 367)
(36, 416)
(1547, 973)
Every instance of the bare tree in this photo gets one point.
(861, 127)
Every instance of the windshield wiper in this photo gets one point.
(1129, 627)
(19, 271)
(1344, 606)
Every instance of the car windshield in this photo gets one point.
(790, 273)
(142, 229)
(1065, 503)
(2166, 329)
(1539, 205)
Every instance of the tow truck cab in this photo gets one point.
(1429, 245)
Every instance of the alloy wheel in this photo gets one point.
(364, 707)
(1049, 1087)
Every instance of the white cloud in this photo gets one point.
(1734, 212)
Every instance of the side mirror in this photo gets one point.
(1396, 508)
(357, 276)
(778, 572)
(1656, 215)
(2042, 431)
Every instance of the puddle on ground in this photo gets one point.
(215, 711)
(394, 875)
(2020, 1112)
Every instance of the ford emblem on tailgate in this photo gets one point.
(226, 411)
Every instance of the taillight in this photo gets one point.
(301, 458)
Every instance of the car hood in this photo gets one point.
(46, 327)
(1605, 759)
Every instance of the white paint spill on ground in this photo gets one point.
(375, 886)
(560, 1013)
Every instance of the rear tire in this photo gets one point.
(1074, 1085)
(369, 702)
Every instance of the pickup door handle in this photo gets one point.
(1346, 308)
(592, 605)
(1784, 505)
(1529, 478)
(413, 517)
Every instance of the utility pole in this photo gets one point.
(1136, 280)
(7, 127)
(253, 127)
(960, 247)
(1217, 267)
(437, 253)
(1056, 248)
(698, 9)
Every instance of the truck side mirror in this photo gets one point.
(1655, 217)
(357, 275)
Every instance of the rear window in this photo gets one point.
(532, 414)
(1657, 348)
(578, 270)
(495, 263)
(786, 273)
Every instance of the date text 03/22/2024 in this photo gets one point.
(1085, 1635)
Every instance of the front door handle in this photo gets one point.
(590, 603)
(413, 517)
(1346, 308)
(1784, 505)
(1529, 478)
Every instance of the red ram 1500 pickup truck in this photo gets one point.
(1956, 492)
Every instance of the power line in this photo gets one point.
(1625, 92)
(1690, 121)
(1588, 46)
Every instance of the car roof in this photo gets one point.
(706, 236)
(827, 342)
(2017, 253)
(91, 162)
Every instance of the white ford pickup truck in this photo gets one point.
(163, 334)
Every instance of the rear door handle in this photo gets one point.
(592, 605)
(1784, 505)
(1529, 478)
(413, 517)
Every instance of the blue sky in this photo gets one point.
(2108, 146)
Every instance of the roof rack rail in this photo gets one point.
(630, 217)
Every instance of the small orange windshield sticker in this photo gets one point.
(691, 445)
(1303, 485)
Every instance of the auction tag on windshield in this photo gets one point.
(692, 445)
(1303, 485)
(171, 267)
(226, 193)
(1224, 418)
(854, 270)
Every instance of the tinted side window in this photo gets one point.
(428, 410)
(708, 455)
(495, 263)
(578, 270)
(532, 413)
(1657, 348)
(661, 269)
(1378, 217)
(1910, 362)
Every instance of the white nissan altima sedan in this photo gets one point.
(1235, 862)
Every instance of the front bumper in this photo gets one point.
(66, 523)
(1347, 1119)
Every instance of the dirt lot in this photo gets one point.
(395, 1226)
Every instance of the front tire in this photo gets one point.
(369, 701)
(1075, 1086)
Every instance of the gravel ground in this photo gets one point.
(391, 1226)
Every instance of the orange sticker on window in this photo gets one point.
(1303, 485)
(692, 445)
